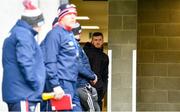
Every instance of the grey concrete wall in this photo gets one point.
(122, 40)
(158, 55)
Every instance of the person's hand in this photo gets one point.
(95, 80)
(58, 92)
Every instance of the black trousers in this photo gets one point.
(101, 94)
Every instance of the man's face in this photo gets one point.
(69, 20)
(97, 41)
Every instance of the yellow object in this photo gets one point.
(47, 96)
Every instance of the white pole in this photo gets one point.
(109, 81)
(134, 81)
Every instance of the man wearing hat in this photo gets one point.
(61, 56)
(87, 93)
(23, 67)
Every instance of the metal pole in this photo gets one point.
(109, 82)
(134, 81)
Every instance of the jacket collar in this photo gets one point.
(65, 27)
(91, 46)
(24, 24)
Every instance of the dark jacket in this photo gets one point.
(60, 55)
(85, 72)
(23, 67)
(99, 63)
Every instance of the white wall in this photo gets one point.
(49, 9)
(10, 11)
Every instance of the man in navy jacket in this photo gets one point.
(61, 56)
(23, 67)
(87, 93)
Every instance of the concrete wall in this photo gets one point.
(158, 55)
(122, 40)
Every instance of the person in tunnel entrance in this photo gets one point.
(99, 64)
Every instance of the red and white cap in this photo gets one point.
(65, 9)
(32, 14)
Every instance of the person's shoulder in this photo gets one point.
(53, 33)
(54, 29)
(87, 44)
(21, 27)
(22, 33)
(104, 55)
(88, 48)
(20, 30)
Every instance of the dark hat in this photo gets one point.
(32, 15)
(76, 29)
(65, 9)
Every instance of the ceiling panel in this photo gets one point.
(97, 12)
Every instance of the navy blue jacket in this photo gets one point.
(85, 72)
(60, 55)
(23, 67)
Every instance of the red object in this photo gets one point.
(65, 103)
(27, 105)
(28, 5)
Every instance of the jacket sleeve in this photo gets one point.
(104, 71)
(25, 49)
(50, 51)
(85, 68)
(86, 72)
